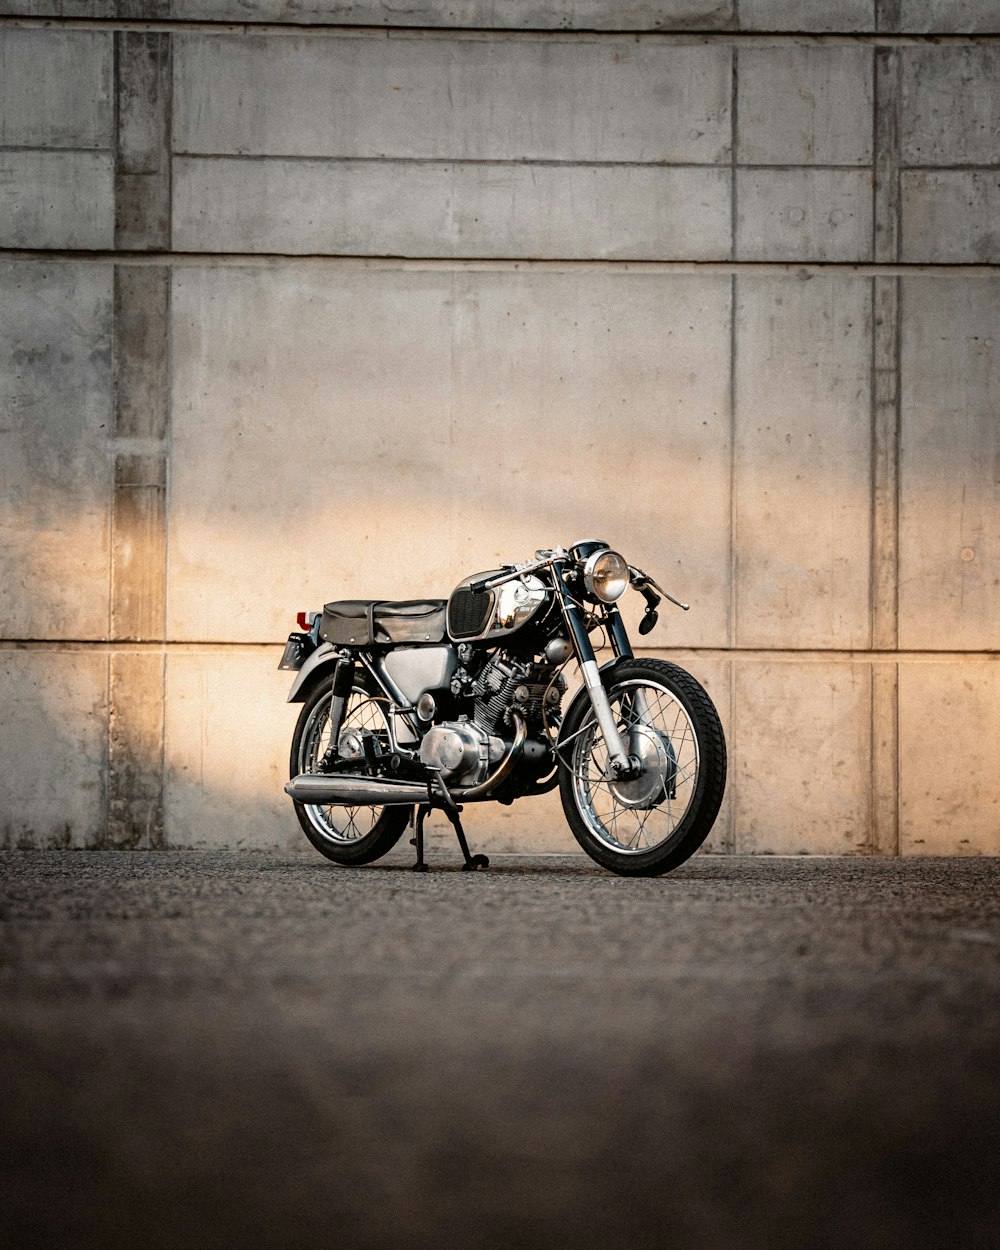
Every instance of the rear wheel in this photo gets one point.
(648, 824)
(348, 835)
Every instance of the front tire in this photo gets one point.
(347, 835)
(648, 825)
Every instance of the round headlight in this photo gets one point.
(605, 575)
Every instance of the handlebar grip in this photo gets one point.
(478, 585)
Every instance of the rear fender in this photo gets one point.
(322, 661)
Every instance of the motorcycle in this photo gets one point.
(433, 704)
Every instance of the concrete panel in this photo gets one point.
(55, 88)
(951, 107)
(474, 14)
(955, 17)
(370, 431)
(807, 15)
(951, 216)
(805, 106)
(949, 539)
(352, 208)
(802, 462)
(452, 99)
(53, 741)
(605, 401)
(55, 476)
(803, 215)
(801, 758)
(949, 758)
(224, 774)
(56, 200)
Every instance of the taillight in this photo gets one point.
(305, 620)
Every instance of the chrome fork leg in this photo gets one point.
(618, 757)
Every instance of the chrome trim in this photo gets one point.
(605, 717)
(588, 573)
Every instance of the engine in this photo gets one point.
(465, 751)
(506, 684)
(462, 751)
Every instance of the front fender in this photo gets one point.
(325, 656)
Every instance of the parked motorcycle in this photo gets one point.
(422, 704)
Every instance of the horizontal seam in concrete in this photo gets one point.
(967, 168)
(810, 268)
(776, 654)
(778, 38)
(532, 162)
(40, 147)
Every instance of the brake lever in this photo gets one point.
(642, 581)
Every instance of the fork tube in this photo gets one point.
(617, 750)
(616, 631)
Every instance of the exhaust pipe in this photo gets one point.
(319, 789)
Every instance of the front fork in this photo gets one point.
(621, 763)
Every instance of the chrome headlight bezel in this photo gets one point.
(596, 575)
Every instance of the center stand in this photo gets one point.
(445, 803)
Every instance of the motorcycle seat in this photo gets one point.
(365, 622)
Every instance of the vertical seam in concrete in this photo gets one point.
(729, 835)
(896, 763)
(732, 631)
(167, 454)
(729, 838)
(885, 411)
(873, 776)
(733, 163)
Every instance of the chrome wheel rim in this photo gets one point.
(335, 823)
(637, 816)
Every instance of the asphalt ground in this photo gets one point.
(249, 1049)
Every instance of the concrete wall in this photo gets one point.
(341, 301)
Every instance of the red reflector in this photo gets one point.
(303, 623)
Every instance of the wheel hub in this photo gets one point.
(650, 786)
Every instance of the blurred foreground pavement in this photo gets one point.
(224, 1049)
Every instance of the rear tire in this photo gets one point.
(649, 825)
(347, 835)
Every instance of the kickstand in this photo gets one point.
(418, 839)
(472, 862)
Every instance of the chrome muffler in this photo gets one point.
(320, 789)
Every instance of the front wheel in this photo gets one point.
(650, 823)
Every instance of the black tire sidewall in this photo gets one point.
(388, 829)
(707, 799)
